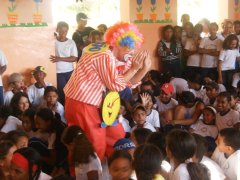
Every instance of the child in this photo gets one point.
(227, 27)
(206, 126)
(237, 29)
(212, 90)
(212, 78)
(170, 51)
(195, 85)
(227, 60)
(6, 152)
(19, 104)
(120, 165)
(122, 120)
(125, 144)
(102, 28)
(47, 139)
(235, 105)
(165, 101)
(3, 67)
(5, 112)
(181, 147)
(147, 162)
(51, 101)
(226, 117)
(139, 116)
(36, 91)
(28, 122)
(84, 163)
(139, 136)
(199, 157)
(147, 101)
(177, 32)
(210, 48)
(191, 50)
(227, 153)
(187, 32)
(26, 164)
(16, 83)
(65, 55)
(18, 137)
(95, 37)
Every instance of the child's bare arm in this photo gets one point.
(65, 59)
(219, 68)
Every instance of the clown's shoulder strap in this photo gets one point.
(96, 48)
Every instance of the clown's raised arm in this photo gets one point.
(97, 71)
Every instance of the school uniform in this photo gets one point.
(12, 123)
(230, 165)
(179, 85)
(228, 120)
(205, 130)
(153, 118)
(208, 62)
(8, 95)
(161, 107)
(125, 123)
(180, 173)
(3, 62)
(199, 93)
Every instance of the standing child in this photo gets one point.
(226, 117)
(227, 153)
(3, 67)
(36, 91)
(65, 55)
(139, 116)
(210, 48)
(16, 83)
(227, 27)
(227, 60)
(84, 163)
(170, 51)
(237, 29)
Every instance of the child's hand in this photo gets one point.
(144, 98)
(54, 58)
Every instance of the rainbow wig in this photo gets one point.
(125, 35)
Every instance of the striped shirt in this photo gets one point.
(93, 74)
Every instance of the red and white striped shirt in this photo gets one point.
(94, 72)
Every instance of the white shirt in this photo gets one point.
(65, 49)
(228, 58)
(194, 59)
(228, 120)
(8, 97)
(221, 88)
(3, 62)
(44, 176)
(153, 119)
(35, 94)
(205, 130)
(180, 173)
(236, 78)
(147, 126)
(125, 123)
(94, 164)
(209, 61)
(12, 123)
(179, 85)
(199, 93)
(230, 165)
(163, 107)
(216, 173)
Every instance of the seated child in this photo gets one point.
(139, 136)
(120, 165)
(16, 84)
(147, 100)
(235, 104)
(6, 152)
(212, 90)
(181, 146)
(227, 153)
(5, 112)
(125, 144)
(215, 171)
(18, 137)
(83, 161)
(122, 120)
(140, 116)
(50, 100)
(211, 77)
(28, 122)
(36, 91)
(165, 101)
(226, 117)
(206, 126)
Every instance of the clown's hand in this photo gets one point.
(147, 61)
(138, 59)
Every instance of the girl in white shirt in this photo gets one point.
(83, 161)
(227, 60)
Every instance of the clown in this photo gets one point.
(95, 72)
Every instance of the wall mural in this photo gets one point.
(13, 16)
(155, 13)
(237, 9)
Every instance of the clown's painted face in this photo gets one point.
(121, 52)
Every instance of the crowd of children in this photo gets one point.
(180, 124)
